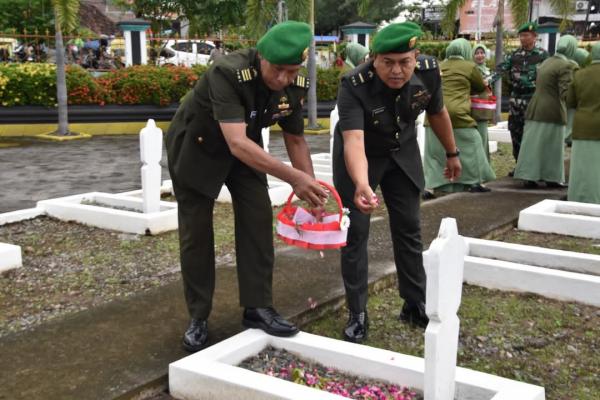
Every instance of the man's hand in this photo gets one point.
(309, 190)
(364, 199)
(453, 169)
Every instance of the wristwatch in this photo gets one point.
(455, 154)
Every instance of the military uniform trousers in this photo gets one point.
(401, 198)
(517, 108)
(253, 218)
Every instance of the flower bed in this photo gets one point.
(285, 365)
(35, 84)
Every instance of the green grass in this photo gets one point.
(502, 161)
(518, 336)
(548, 240)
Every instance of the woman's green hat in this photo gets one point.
(285, 43)
(397, 38)
(528, 27)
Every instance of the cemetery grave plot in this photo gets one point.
(518, 336)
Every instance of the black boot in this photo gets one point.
(356, 327)
(269, 321)
(414, 314)
(479, 188)
(194, 339)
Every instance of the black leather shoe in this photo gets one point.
(479, 188)
(530, 184)
(511, 173)
(427, 195)
(357, 327)
(194, 339)
(414, 314)
(556, 185)
(269, 321)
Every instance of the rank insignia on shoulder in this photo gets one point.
(426, 63)
(245, 74)
(360, 78)
(302, 82)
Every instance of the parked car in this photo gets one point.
(185, 52)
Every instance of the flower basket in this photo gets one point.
(298, 227)
(483, 109)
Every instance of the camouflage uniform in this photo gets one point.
(521, 67)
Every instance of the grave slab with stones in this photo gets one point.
(10, 257)
(213, 373)
(124, 212)
(556, 274)
(562, 217)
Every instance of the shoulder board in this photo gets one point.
(302, 81)
(426, 63)
(361, 77)
(245, 74)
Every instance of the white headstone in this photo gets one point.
(151, 138)
(444, 264)
(334, 117)
(265, 138)
(421, 134)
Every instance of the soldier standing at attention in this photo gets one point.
(375, 143)
(215, 139)
(521, 67)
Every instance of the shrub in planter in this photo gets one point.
(327, 84)
(143, 84)
(27, 84)
(82, 88)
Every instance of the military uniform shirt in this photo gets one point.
(231, 90)
(521, 66)
(387, 116)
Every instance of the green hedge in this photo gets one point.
(35, 84)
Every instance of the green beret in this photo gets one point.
(285, 43)
(528, 27)
(397, 38)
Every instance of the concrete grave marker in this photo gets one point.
(151, 138)
(444, 266)
(10, 257)
(562, 217)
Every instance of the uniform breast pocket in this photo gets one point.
(380, 119)
(208, 137)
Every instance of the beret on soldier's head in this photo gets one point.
(528, 27)
(285, 43)
(397, 38)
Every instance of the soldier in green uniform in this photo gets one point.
(521, 67)
(375, 144)
(215, 139)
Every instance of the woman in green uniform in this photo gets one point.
(356, 54)
(580, 60)
(584, 184)
(483, 116)
(542, 150)
(460, 78)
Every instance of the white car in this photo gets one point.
(185, 52)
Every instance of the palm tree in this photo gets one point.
(65, 18)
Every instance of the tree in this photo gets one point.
(158, 12)
(210, 16)
(65, 18)
(26, 14)
(331, 14)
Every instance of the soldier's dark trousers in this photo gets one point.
(516, 122)
(253, 242)
(401, 198)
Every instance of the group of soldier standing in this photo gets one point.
(215, 139)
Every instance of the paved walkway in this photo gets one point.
(117, 349)
(43, 170)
